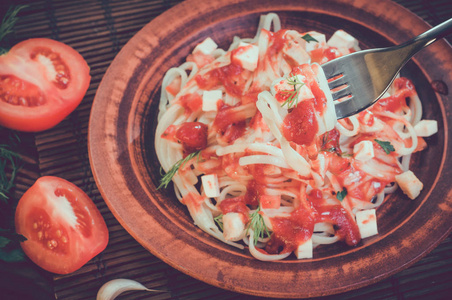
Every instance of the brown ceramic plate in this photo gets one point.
(126, 169)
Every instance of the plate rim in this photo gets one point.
(99, 175)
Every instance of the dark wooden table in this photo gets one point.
(98, 29)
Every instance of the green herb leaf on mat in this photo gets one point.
(8, 23)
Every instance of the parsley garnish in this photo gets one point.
(341, 195)
(9, 20)
(166, 179)
(219, 221)
(387, 147)
(308, 38)
(257, 224)
(293, 95)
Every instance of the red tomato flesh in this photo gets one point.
(63, 227)
(193, 136)
(41, 82)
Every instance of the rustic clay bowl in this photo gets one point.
(126, 170)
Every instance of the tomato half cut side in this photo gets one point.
(41, 82)
(63, 227)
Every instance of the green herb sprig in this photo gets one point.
(292, 94)
(166, 179)
(257, 224)
(219, 221)
(8, 23)
(387, 146)
(341, 195)
(7, 157)
(309, 38)
(10, 250)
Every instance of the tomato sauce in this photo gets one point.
(329, 141)
(396, 102)
(300, 125)
(236, 205)
(347, 228)
(322, 55)
(229, 123)
(191, 102)
(228, 76)
(289, 233)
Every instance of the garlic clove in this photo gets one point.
(113, 288)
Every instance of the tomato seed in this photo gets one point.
(39, 235)
(52, 244)
(35, 225)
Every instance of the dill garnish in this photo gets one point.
(166, 179)
(219, 221)
(293, 94)
(257, 224)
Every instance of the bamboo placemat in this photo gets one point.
(98, 29)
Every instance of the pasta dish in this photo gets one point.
(250, 139)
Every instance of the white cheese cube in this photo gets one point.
(233, 227)
(343, 40)
(367, 222)
(210, 99)
(206, 47)
(247, 55)
(426, 128)
(304, 250)
(210, 185)
(321, 41)
(363, 151)
(297, 53)
(409, 184)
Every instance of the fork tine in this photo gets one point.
(341, 93)
(337, 82)
(347, 108)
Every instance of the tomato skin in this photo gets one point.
(45, 69)
(63, 227)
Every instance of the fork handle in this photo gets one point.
(428, 37)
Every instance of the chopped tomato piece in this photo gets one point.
(41, 82)
(270, 201)
(63, 227)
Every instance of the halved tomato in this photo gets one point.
(41, 82)
(63, 227)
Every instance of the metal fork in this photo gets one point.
(359, 79)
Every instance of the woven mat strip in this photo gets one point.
(98, 30)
